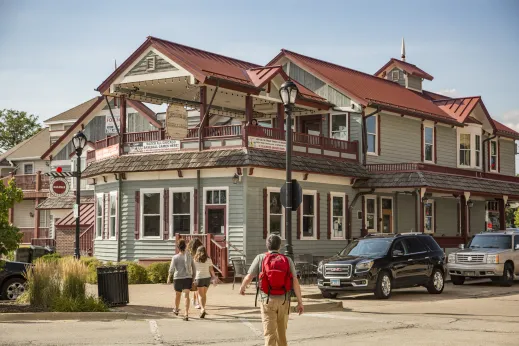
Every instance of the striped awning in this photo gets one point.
(86, 217)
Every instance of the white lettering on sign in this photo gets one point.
(59, 187)
(267, 143)
(105, 153)
(176, 121)
(110, 125)
(154, 146)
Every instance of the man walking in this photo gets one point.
(277, 277)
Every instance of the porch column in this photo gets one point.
(280, 119)
(249, 108)
(122, 117)
(36, 219)
(502, 215)
(464, 218)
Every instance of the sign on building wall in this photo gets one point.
(176, 121)
(110, 128)
(267, 143)
(154, 146)
(105, 153)
(59, 187)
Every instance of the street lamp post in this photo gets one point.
(78, 141)
(288, 92)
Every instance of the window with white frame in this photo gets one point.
(493, 155)
(478, 150)
(371, 129)
(113, 214)
(465, 149)
(428, 213)
(218, 196)
(469, 147)
(44, 218)
(99, 215)
(309, 215)
(428, 135)
(371, 213)
(152, 204)
(181, 210)
(276, 213)
(338, 215)
(339, 126)
(28, 168)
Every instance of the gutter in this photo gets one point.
(485, 154)
(355, 198)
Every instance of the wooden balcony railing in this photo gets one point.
(223, 131)
(86, 241)
(108, 141)
(132, 137)
(29, 182)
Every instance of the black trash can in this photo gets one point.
(112, 285)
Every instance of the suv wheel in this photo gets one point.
(329, 295)
(508, 276)
(13, 288)
(384, 286)
(457, 280)
(436, 282)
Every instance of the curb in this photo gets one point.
(57, 316)
(320, 307)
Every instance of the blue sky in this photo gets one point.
(54, 53)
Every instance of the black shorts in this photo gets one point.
(182, 284)
(204, 282)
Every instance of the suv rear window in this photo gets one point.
(431, 243)
(415, 245)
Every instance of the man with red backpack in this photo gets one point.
(277, 278)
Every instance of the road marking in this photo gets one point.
(255, 330)
(338, 317)
(154, 328)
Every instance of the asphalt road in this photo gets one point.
(475, 314)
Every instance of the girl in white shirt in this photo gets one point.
(204, 274)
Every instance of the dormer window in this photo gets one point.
(150, 63)
(395, 75)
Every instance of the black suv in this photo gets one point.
(380, 263)
(12, 279)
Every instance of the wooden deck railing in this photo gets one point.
(91, 155)
(222, 131)
(108, 141)
(29, 182)
(215, 250)
(132, 137)
(86, 241)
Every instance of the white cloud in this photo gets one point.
(448, 92)
(511, 119)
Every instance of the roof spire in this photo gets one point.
(403, 49)
(115, 64)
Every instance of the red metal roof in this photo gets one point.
(365, 88)
(407, 67)
(86, 217)
(505, 130)
(459, 108)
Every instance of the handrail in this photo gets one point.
(86, 240)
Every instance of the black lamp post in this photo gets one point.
(288, 92)
(78, 141)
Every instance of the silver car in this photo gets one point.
(493, 255)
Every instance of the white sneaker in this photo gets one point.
(197, 306)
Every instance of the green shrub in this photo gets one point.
(92, 263)
(10, 256)
(136, 273)
(52, 257)
(88, 304)
(158, 273)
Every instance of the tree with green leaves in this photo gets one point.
(16, 126)
(516, 218)
(10, 236)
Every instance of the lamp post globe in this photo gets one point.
(79, 142)
(288, 93)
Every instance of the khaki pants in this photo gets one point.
(275, 321)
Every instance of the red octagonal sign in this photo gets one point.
(59, 187)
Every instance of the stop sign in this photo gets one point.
(59, 187)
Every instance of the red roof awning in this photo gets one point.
(86, 217)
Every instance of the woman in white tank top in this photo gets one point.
(203, 277)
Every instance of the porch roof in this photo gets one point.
(438, 181)
(66, 202)
(223, 158)
(86, 217)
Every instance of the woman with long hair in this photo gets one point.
(192, 246)
(183, 270)
(203, 277)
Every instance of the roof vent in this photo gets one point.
(150, 63)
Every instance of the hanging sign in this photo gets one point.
(59, 187)
(110, 125)
(176, 121)
(154, 146)
(105, 153)
(267, 143)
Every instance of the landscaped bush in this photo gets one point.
(92, 263)
(158, 273)
(43, 284)
(74, 274)
(87, 304)
(136, 273)
(51, 257)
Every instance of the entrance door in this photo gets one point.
(387, 215)
(215, 220)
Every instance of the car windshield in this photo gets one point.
(491, 242)
(370, 248)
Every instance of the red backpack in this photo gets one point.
(275, 277)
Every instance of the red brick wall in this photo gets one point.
(65, 241)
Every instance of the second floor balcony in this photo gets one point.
(224, 137)
(33, 185)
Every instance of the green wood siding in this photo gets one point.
(507, 156)
(414, 82)
(446, 145)
(161, 65)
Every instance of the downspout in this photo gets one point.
(485, 154)
(119, 222)
(350, 208)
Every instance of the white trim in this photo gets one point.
(331, 216)
(433, 221)
(142, 192)
(375, 153)
(211, 188)
(496, 155)
(316, 211)
(101, 196)
(27, 164)
(392, 215)
(471, 130)
(70, 121)
(330, 123)
(269, 190)
(113, 195)
(311, 178)
(375, 221)
(428, 126)
(191, 191)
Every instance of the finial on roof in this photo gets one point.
(115, 64)
(403, 49)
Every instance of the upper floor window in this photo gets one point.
(478, 151)
(339, 126)
(469, 147)
(372, 134)
(493, 155)
(428, 133)
(28, 168)
(465, 149)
